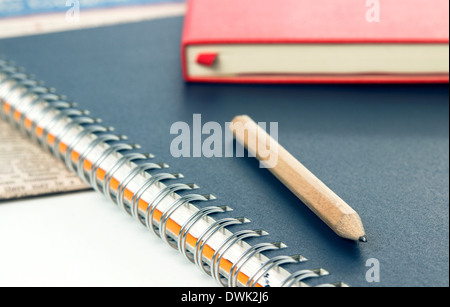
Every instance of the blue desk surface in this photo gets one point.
(382, 148)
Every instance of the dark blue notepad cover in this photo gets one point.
(384, 149)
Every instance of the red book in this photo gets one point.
(316, 41)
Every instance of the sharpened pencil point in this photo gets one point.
(363, 239)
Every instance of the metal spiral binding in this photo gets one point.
(83, 120)
(186, 227)
(172, 209)
(29, 86)
(51, 104)
(206, 235)
(99, 140)
(247, 255)
(18, 79)
(44, 102)
(43, 94)
(144, 187)
(128, 158)
(136, 171)
(151, 208)
(265, 267)
(214, 271)
(114, 149)
(302, 275)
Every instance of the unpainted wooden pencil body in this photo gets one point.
(334, 211)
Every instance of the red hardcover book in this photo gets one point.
(316, 41)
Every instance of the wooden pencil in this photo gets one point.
(329, 207)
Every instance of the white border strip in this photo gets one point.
(89, 18)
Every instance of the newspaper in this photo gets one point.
(27, 170)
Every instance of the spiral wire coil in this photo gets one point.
(18, 88)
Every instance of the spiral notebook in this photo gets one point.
(109, 164)
(384, 149)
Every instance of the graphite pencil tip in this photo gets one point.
(363, 239)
